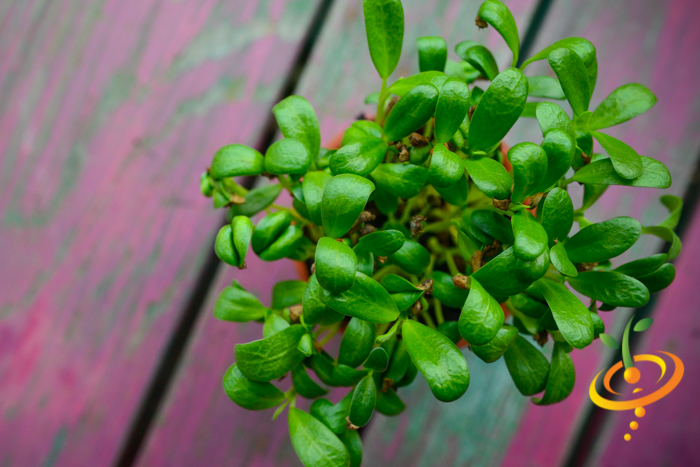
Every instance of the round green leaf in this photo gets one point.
(223, 246)
(411, 112)
(528, 306)
(560, 149)
(495, 224)
(445, 167)
(438, 359)
(304, 385)
(481, 58)
(235, 160)
(497, 346)
(403, 85)
(377, 360)
(527, 366)
(314, 310)
(545, 86)
(287, 293)
(452, 107)
(402, 291)
(530, 271)
(402, 180)
(249, 394)
(530, 237)
(285, 245)
(445, 290)
(481, 316)
(495, 13)
(562, 377)
(529, 163)
(622, 104)
(451, 330)
(581, 47)
(432, 53)
(625, 160)
(573, 77)
(498, 275)
(412, 257)
(490, 177)
(272, 357)
(256, 200)
(336, 264)
(561, 261)
(314, 443)
(383, 242)
(287, 156)
(384, 27)
(366, 299)
(389, 404)
(499, 108)
(235, 304)
(572, 318)
(357, 343)
(297, 119)
(642, 267)
(332, 416)
(611, 288)
(359, 157)
(654, 174)
(456, 194)
(603, 240)
(364, 398)
(344, 199)
(269, 229)
(659, 279)
(557, 215)
(551, 116)
(313, 187)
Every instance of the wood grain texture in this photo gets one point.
(109, 110)
(651, 43)
(668, 432)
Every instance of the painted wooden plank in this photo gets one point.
(670, 428)
(109, 111)
(638, 41)
(338, 77)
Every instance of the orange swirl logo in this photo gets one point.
(632, 376)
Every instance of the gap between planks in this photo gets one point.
(167, 367)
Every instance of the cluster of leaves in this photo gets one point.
(421, 229)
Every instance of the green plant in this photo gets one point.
(419, 235)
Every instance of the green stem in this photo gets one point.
(385, 337)
(626, 355)
(428, 319)
(385, 271)
(383, 94)
(293, 212)
(428, 133)
(438, 311)
(451, 264)
(334, 330)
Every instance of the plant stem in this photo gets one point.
(428, 319)
(334, 330)
(383, 94)
(438, 311)
(626, 355)
(452, 266)
(385, 271)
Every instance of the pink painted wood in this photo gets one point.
(669, 431)
(109, 110)
(638, 41)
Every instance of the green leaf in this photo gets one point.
(402, 291)
(654, 174)
(287, 156)
(359, 157)
(364, 398)
(297, 119)
(495, 224)
(314, 310)
(357, 343)
(497, 15)
(498, 275)
(609, 341)
(285, 245)
(461, 70)
(445, 167)
(560, 149)
(528, 305)
(530, 110)
(499, 108)
(382, 243)
(336, 264)
(643, 324)
(403, 85)
(527, 366)
(581, 47)
(445, 290)
(389, 404)
(456, 194)
(572, 318)
(562, 377)
(557, 215)
(313, 185)
(529, 163)
(603, 240)
(490, 177)
(351, 440)
(287, 293)
(497, 346)
(530, 237)
(611, 288)
(481, 59)
(332, 416)
(366, 299)
(399, 362)
(573, 77)
(304, 385)
(256, 200)
(660, 279)
(451, 109)
(272, 357)
(384, 26)
(438, 359)
(306, 345)
(249, 394)
(622, 104)
(625, 160)
(412, 257)
(666, 234)
(432, 53)
(377, 360)
(675, 206)
(451, 330)
(411, 112)
(314, 443)
(642, 267)
(223, 246)
(481, 317)
(560, 260)
(344, 200)
(236, 160)
(235, 304)
(545, 86)
(372, 98)
(344, 375)
(402, 180)
(365, 261)
(274, 324)
(269, 229)
(551, 116)
(530, 271)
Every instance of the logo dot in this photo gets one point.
(634, 425)
(628, 437)
(639, 412)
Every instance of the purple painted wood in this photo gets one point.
(108, 112)
(669, 431)
(651, 43)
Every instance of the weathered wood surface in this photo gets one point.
(109, 111)
(651, 43)
(196, 402)
(668, 433)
